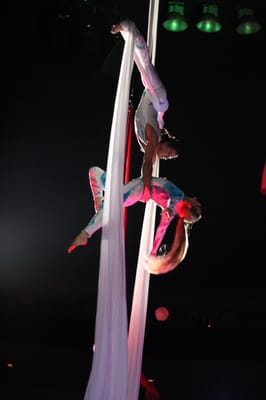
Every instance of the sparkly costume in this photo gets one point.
(163, 192)
(154, 98)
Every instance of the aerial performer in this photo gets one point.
(153, 138)
(165, 194)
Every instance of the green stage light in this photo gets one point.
(247, 24)
(209, 22)
(175, 21)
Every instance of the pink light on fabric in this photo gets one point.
(141, 289)
(108, 376)
(116, 365)
(263, 180)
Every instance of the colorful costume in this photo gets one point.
(153, 102)
(163, 192)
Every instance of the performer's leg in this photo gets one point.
(80, 240)
(156, 96)
(132, 192)
(148, 72)
(149, 75)
(94, 225)
(97, 183)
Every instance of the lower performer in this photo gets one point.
(168, 197)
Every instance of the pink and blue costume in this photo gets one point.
(163, 192)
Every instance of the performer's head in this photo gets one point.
(189, 208)
(168, 147)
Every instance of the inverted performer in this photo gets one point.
(149, 117)
(168, 197)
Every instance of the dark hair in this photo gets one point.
(172, 141)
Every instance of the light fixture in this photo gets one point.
(175, 21)
(247, 24)
(209, 21)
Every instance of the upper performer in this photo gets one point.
(149, 122)
(168, 197)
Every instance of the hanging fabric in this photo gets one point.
(142, 281)
(117, 359)
(108, 377)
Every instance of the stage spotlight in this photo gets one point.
(175, 21)
(247, 23)
(209, 22)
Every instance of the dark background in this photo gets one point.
(60, 82)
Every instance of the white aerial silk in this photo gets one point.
(108, 377)
(117, 360)
(141, 289)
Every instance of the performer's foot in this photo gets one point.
(81, 240)
(116, 28)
